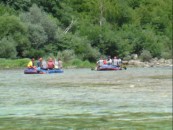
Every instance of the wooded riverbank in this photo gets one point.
(76, 63)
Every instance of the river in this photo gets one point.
(81, 99)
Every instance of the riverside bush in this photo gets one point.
(127, 58)
(77, 63)
(166, 55)
(145, 55)
(66, 55)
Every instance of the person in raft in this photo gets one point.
(44, 65)
(100, 62)
(39, 64)
(115, 61)
(31, 64)
(55, 64)
(59, 63)
(109, 60)
(50, 64)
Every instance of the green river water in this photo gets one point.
(81, 99)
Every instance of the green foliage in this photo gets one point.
(37, 35)
(127, 58)
(83, 49)
(34, 53)
(6, 10)
(80, 45)
(14, 31)
(66, 55)
(41, 29)
(69, 58)
(87, 28)
(145, 55)
(18, 4)
(13, 63)
(7, 48)
(81, 64)
(10, 25)
(167, 55)
(134, 3)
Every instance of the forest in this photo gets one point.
(85, 29)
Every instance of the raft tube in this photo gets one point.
(41, 71)
(109, 67)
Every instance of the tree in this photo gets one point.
(7, 48)
(18, 4)
(12, 28)
(110, 27)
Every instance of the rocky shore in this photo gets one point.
(152, 63)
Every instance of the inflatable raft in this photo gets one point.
(41, 71)
(108, 67)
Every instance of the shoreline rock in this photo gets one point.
(152, 63)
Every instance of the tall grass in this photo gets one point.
(77, 63)
(21, 63)
(13, 63)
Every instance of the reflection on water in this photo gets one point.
(133, 99)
